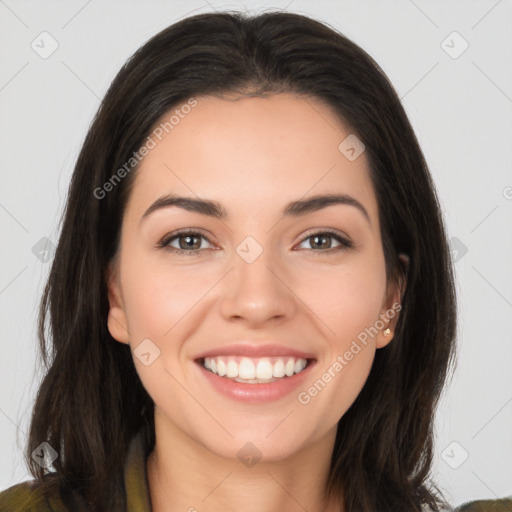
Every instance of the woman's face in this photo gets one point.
(259, 286)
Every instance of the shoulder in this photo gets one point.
(29, 496)
(501, 505)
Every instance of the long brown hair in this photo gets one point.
(91, 402)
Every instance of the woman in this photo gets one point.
(251, 305)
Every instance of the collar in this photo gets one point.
(135, 477)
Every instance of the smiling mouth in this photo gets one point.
(250, 370)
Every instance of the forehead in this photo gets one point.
(251, 152)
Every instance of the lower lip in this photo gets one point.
(256, 393)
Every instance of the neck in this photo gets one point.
(185, 476)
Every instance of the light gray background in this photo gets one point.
(460, 108)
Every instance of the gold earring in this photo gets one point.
(387, 331)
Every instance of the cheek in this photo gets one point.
(160, 303)
(346, 299)
(349, 301)
(157, 297)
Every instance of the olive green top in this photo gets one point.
(27, 496)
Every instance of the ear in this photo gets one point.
(117, 322)
(392, 305)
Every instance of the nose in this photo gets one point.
(257, 292)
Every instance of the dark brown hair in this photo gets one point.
(91, 402)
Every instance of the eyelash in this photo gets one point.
(164, 243)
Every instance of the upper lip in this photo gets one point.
(256, 351)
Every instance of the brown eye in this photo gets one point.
(188, 242)
(323, 242)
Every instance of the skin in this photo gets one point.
(252, 155)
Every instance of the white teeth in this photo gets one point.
(255, 381)
(221, 368)
(289, 369)
(232, 369)
(245, 369)
(278, 370)
(300, 364)
(264, 369)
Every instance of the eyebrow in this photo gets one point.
(293, 209)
